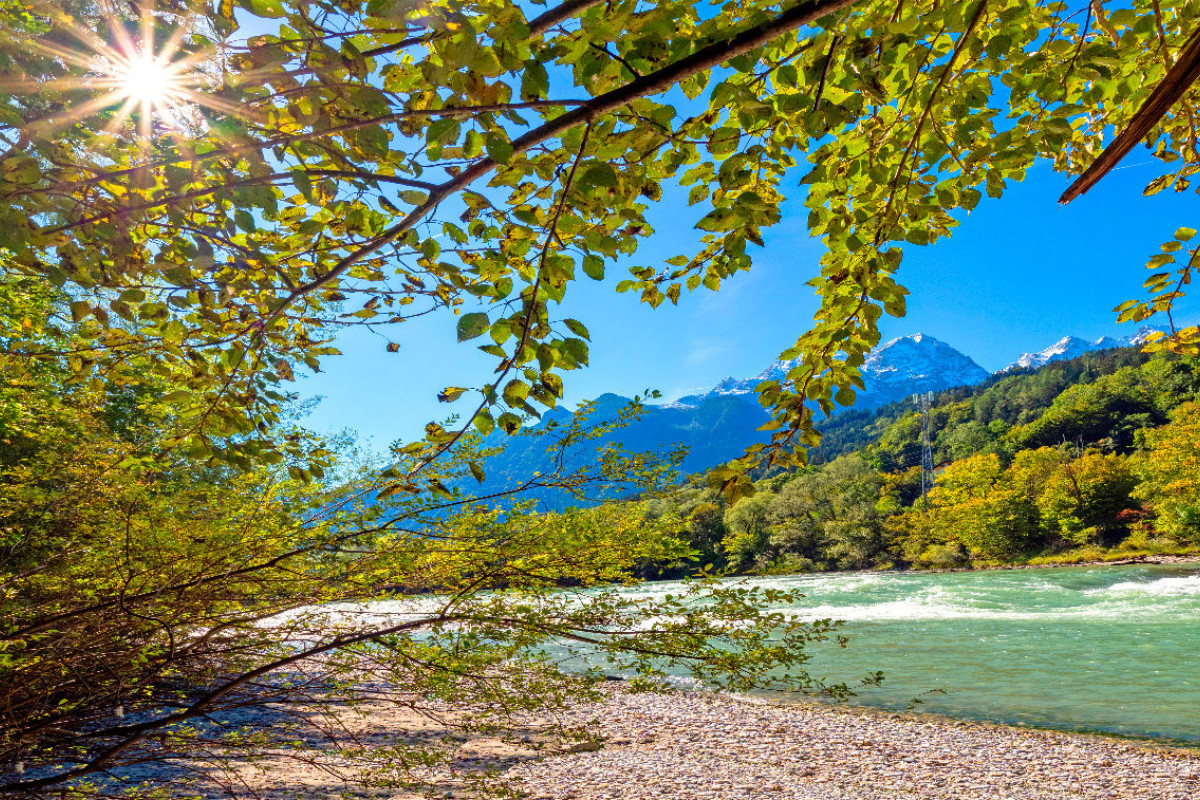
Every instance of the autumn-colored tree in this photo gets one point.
(1170, 474)
(1081, 500)
(147, 595)
(977, 504)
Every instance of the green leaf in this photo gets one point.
(576, 327)
(535, 82)
(719, 219)
(515, 392)
(593, 267)
(442, 131)
(472, 325)
(724, 141)
(484, 423)
(499, 149)
(267, 8)
(473, 144)
(577, 349)
(600, 175)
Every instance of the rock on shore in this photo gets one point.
(702, 745)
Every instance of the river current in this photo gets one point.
(1112, 649)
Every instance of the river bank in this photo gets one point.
(1068, 558)
(1099, 648)
(702, 745)
(1074, 559)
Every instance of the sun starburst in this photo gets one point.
(150, 81)
(144, 77)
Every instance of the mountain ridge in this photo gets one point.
(721, 423)
(898, 368)
(1070, 347)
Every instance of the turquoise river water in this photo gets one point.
(1112, 649)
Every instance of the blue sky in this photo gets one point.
(1019, 273)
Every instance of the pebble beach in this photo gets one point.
(701, 745)
(689, 746)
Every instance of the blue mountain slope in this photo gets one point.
(718, 425)
(714, 431)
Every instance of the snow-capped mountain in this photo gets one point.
(901, 367)
(1072, 346)
(734, 386)
(719, 424)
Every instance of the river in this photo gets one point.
(1112, 649)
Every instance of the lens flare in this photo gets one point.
(145, 81)
(148, 81)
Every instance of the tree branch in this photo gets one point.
(548, 19)
(1173, 86)
(661, 80)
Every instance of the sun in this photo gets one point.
(142, 77)
(149, 82)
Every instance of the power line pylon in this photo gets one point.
(923, 401)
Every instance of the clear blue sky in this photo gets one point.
(1019, 273)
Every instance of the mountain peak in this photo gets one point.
(1070, 347)
(894, 370)
(916, 363)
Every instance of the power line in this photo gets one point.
(923, 401)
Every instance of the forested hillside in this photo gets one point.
(1068, 460)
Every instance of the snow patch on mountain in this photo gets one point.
(1070, 347)
(892, 371)
(911, 364)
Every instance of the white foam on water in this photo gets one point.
(870, 597)
(823, 584)
(1120, 601)
(1178, 586)
(929, 603)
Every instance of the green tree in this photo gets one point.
(706, 531)
(976, 504)
(1109, 410)
(749, 532)
(830, 515)
(1081, 500)
(965, 440)
(1170, 475)
(146, 594)
(362, 164)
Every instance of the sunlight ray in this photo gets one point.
(151, 83)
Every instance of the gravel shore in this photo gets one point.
(703, 745)
(694, 745)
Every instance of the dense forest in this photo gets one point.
(1070, 461)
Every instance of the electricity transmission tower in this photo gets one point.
(923, 401)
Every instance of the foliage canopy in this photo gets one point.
(167, 271)
(362, 163)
